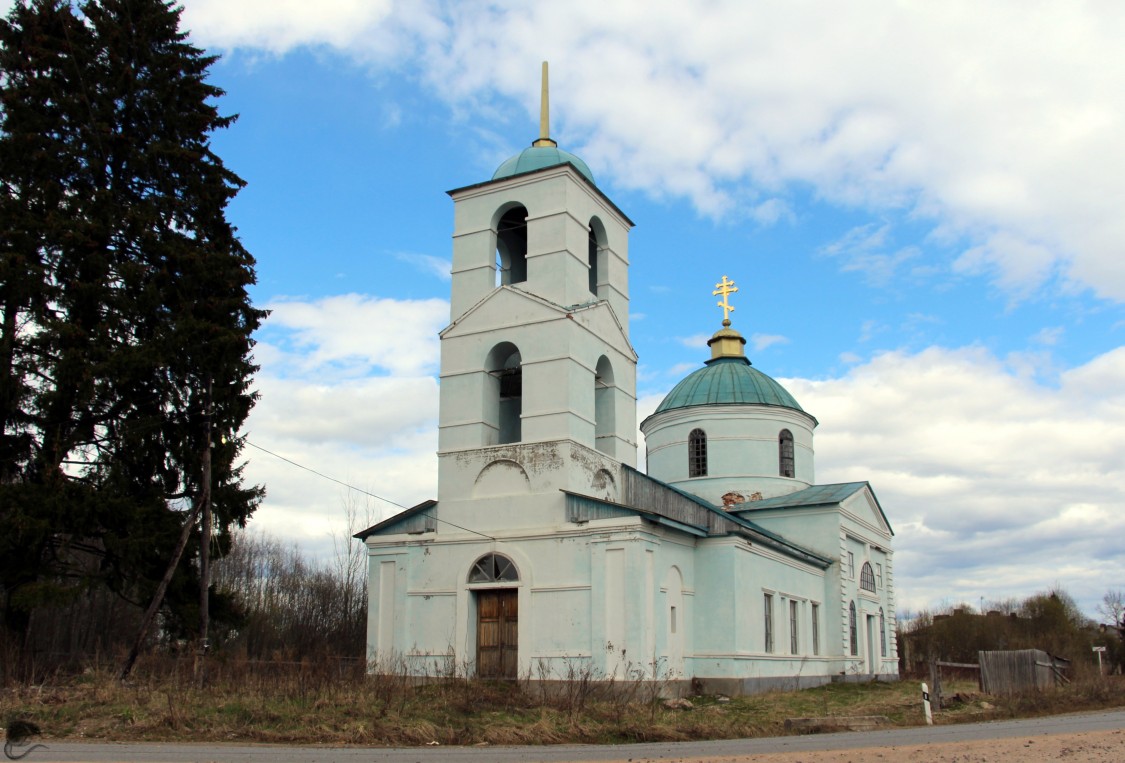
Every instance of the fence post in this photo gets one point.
(935, 681)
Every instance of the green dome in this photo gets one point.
(538, 158)
(728, 381)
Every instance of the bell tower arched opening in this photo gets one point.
(605, 421)
(511, 247)
(596, 254)
(503, 404)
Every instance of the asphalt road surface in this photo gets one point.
(102, 752)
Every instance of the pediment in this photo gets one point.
(503, 307)
(510, 306)
(864, 506)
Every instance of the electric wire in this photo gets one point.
(361, 490)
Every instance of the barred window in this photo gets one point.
(785, 453)
(853, 634)
(697, 453)
(867, 578)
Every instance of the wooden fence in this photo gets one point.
(1015, 671)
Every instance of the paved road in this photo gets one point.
(91, 752)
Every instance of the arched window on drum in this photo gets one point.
(785, 465)
(697, 453)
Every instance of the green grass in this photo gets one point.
(309, 704)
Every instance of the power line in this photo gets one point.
(361, 490)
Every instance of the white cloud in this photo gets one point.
(428, 263)
(1048, 336)
(999, 125)
(344, 396)
(866, 249)
(762, 341)
(869, 329)
(280, 25)
(681, 369)
(695, 341)
(997, 486)
(771, 211)
(347, 335)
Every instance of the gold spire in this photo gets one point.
(544, 115)
(726, 343)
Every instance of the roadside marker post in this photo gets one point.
(926, 704)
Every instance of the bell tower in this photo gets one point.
(537, 350)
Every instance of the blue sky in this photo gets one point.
(920, 202)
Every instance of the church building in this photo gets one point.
(547, 554)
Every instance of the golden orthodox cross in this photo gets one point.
(725, 288)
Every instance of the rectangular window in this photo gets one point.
(879, 575)
(816, 629)
(794, 635)
(673, 619)
(882, 632)
(851, 566)
(768, 601)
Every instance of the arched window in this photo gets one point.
(593, 262)
(785, 453)
(504, 398)
(493, 568)
(597, 243)
(867, 578)
(853, 634)
(604, 414)
(697, 453)
(882, 633)
(511, 247)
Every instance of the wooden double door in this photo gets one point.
(497, 633)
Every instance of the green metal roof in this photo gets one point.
(400, 522)
(814, 495)
(724, 381)
(538, 158)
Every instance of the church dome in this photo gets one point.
(728, 429)
(538, 158)
(725, 381)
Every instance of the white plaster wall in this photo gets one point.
(588, 596)
(742, 449)
(560, 205)
(559, 353)
(595, 598)
(732, 578)
(517, 486)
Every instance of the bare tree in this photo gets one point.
(1112, 609)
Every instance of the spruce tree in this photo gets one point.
(123, 291)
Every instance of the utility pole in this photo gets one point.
(202, 505)
(205, 527)
(158, 597)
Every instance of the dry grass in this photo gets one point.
(336, 703)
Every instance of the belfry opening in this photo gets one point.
(511, 247)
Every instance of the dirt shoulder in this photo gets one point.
(1082, 747)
